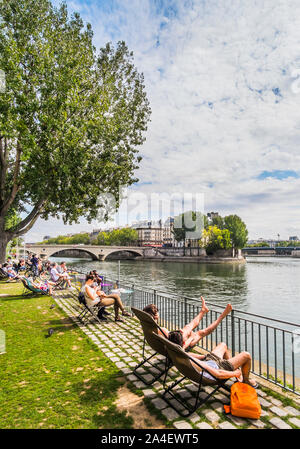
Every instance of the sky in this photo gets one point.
(223, 81)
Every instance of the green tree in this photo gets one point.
(71, 119)
(218, 221)
(188, 222)
(215, 238)
(238, 231)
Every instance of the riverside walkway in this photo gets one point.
(122, 343)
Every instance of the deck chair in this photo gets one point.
(183, 362)
(3, 275)
(30, 289)
(88, 311)
(150, 327)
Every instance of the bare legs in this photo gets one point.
(191, 338)
(242, 360)
(114, 300)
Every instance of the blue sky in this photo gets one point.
(222, 78)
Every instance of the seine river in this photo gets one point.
(266, 286)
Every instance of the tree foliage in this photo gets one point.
(189, 222)
(71, 118)
(238, 231)
(117, 237)
(214, 239)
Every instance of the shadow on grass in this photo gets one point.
(22, 296)
(63, 325)
(101, 395)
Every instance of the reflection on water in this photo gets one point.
(265, 286)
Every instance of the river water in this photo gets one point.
(268, 286)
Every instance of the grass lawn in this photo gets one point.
(61, 381)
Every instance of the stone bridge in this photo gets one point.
(95, 251)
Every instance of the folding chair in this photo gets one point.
(3, 275)
(93, 311)
(183, 362)
(150, 327)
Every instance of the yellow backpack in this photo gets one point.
(243, 401)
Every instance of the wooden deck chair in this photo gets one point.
(150, 327)
(183, 362)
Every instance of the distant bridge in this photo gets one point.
(95, 251)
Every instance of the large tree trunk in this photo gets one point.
(3, 245)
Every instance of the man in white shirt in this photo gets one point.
(56, 276)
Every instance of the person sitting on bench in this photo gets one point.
(186, 337)
(97, 297)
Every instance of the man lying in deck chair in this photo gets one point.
(186, 337)
(219, 363)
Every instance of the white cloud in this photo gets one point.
(219, 79)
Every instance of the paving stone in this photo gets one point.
(218, 406)
(279, 423)
(182, 425)
(222, 398)
(264, 403)
(292, 411)
(132, 378)
(295, 421)
(126, 370)
(149, 393)
(211, 416)
(141, 371)
(194, 417)
(115, 359)
(203, 425)
(132, 364)
(257, 423)
(193, 388)
(154, 371)
(278, 411)
(274, 401)
(127, 359)
(176, 404)
(140, 385)
(170, 414)
(236, 420)
(261, 393)
(226, 425)
(264, 413)
(159, 403)
(120, 364)
(185, 394)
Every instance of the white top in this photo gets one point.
(54, 274)
(213, 365)
(90, 302)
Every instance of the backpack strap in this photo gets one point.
(227, 409)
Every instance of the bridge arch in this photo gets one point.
(60, 253)
(132, 251)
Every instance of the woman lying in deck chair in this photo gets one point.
(34, 288)
(186, 337)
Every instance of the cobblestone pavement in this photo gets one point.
(123, 343)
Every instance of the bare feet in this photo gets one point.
(228, 309)
(204, 309)
(251, 382)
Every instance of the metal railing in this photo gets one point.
(274, 345)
